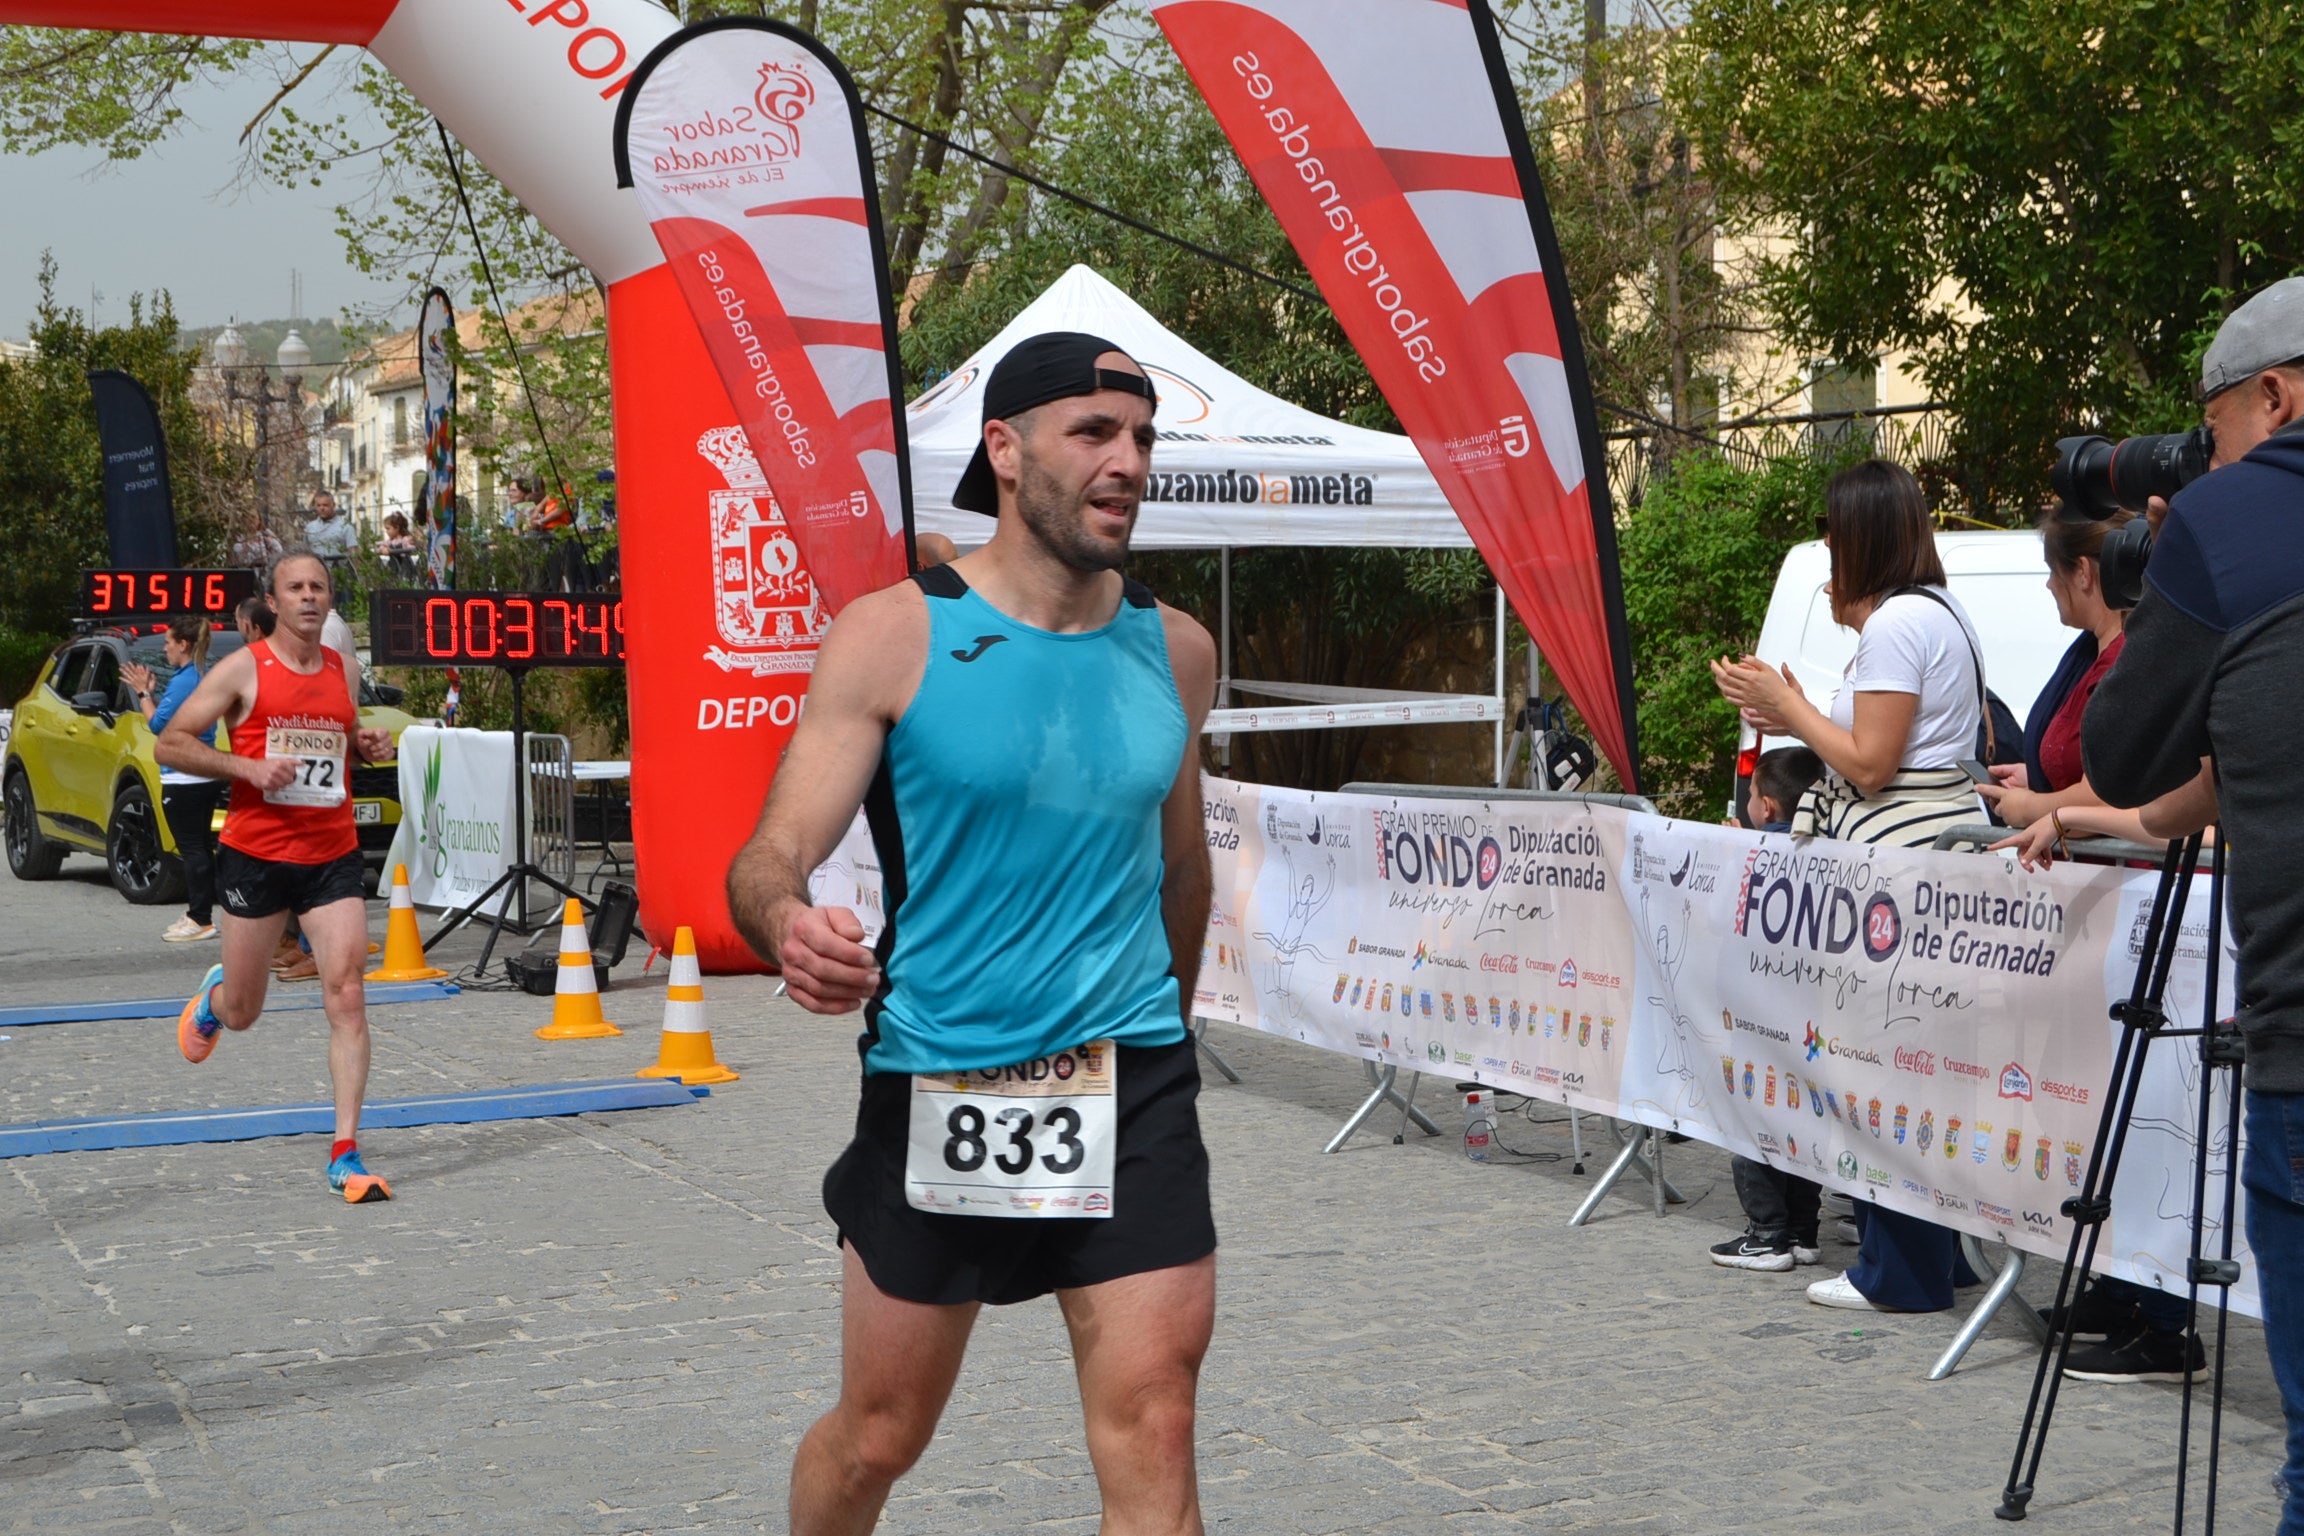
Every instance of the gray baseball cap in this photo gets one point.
(2263, 333)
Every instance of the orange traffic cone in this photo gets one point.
(686, 1051)
(403, 946)
(576, 995)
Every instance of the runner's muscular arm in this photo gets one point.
(1186, 885)
(226, 694)
(867, 670)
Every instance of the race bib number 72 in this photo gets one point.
(1034, 1140)
(321, 762)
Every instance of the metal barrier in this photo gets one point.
(2004, 1275)
(552, 805)
(1639, 1148)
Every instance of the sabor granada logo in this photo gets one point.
(763, 132)
(783, 96)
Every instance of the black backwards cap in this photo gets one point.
(1055, 365)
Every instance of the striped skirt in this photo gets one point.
(1909, 811)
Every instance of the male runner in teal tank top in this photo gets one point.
(1022, 730)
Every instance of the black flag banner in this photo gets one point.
(139, 516)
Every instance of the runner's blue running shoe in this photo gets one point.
(356, 1184)
(196, 1026)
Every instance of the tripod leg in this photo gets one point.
(2142, 1017)
(471, 910)
(496, 931)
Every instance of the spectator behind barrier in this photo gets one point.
(403, 556)
(1780, 1209)
(328, 535)
(1910, 707)
(2047, 795)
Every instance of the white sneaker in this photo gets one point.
(1806, 1255)
(186, 931)
(1845, 1230)
(1840, 1291)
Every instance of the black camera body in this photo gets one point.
(2097, 477)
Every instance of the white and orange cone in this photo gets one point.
(576, 993)
(686, 1050)
(403, 945)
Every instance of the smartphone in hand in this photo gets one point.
(1975, 770)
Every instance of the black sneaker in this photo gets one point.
(2096, 1316)
(2145, 1356)
(1752, 1251)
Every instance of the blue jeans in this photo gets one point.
(1906, 1264)
(2273, 1175)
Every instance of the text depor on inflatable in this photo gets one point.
(744, 142)
(1387, 140)
(723, 606)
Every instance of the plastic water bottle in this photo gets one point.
(1479, 1126)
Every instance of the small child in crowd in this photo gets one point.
(1780, 1209)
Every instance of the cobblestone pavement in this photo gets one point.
(622, 1322)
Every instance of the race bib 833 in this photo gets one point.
(1032, 1140)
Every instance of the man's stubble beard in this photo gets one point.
(1055, 522)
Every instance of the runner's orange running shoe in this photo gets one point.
(196, 1026)
(355, 1183)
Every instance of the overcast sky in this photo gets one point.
(170, 220)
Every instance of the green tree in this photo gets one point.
(1636, 212)
(2048, 201)
(113, 91)
(52, 466)
(1700, 556)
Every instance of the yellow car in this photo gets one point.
(78, 774)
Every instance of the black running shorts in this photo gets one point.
(1160, 1213)
(252, 887)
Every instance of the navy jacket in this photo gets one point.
(2214, 666)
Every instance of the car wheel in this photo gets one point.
(30, 855)
(142, 870)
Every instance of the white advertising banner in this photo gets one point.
(455, 812)
(1925, 1031)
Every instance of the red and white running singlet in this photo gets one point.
(309, 720)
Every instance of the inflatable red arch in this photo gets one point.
(530, 86)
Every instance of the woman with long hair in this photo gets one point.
(1910, 707)
(188, 801)
(2048, 794)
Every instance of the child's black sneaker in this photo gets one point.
(1753, 1251)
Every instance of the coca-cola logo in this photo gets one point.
(1911, 1059)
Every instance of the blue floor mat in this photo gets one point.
(276, 1001)
(182, 1127)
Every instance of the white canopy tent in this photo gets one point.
(1235, 467)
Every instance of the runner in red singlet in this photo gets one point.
(288, 844)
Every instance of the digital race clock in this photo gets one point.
(130, 595)
(496, 629)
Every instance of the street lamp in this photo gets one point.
(251, 382)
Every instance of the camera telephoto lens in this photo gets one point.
(2096, 477)
(2125, 552)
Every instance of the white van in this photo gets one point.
(2001, 578)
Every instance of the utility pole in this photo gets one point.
(1595, 95)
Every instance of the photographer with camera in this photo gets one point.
(2214, 667)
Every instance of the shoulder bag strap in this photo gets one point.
(1983, 699)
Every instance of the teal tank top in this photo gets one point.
(1016, 813)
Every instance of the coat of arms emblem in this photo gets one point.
(765, 603)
